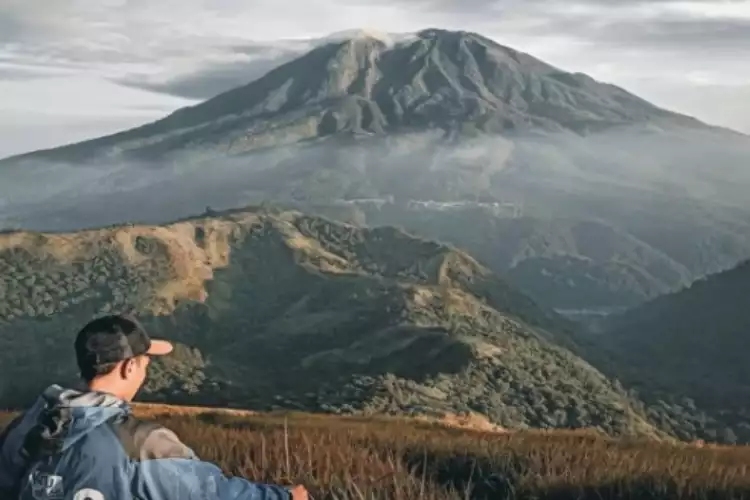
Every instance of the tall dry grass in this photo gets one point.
(397, 459)
(379, 458)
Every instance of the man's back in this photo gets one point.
(66, 444)
(91, 468)
(88, 446)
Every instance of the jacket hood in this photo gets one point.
(68, 415)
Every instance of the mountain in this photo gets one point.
(440, 117)
(438, 79)
(279, 309)
(689, 347)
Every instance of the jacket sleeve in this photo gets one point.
(168, 470)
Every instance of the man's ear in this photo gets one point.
(126, 368)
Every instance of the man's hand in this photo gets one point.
(299, 493)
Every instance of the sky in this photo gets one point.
(76, 69)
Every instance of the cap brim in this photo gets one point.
(160, 348)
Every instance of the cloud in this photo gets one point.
(652, 28)
(46, 112)
(654, 24)
(238, 66)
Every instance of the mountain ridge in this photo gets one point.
(286, 310)
(687, 347)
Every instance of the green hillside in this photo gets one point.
(689, 348)
(285, 310)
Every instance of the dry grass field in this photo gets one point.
(399, 459)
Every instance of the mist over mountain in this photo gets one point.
(592, 191)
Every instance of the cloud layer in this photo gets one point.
(686, 55)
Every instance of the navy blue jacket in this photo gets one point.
(88, 446)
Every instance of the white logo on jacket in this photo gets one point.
(46, 486)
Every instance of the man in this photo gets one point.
(74, 445)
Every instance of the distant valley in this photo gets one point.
(564, 263)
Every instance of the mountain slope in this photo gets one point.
(690, 345)
(549, 258)
(284, 309)
(570, 263)
(438, 79)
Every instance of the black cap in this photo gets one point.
(111, 339)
